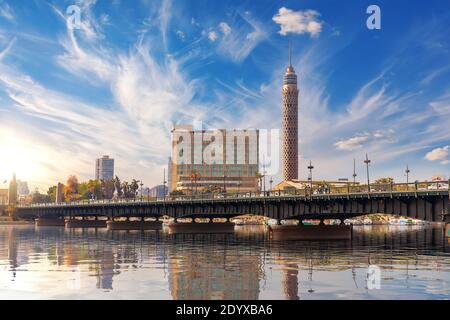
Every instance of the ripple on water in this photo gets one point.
(60, 263)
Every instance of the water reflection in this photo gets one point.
(96, 264)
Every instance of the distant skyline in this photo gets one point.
(118, 84)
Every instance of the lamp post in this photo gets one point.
(142, 195)
(224, 186)
(239, 183)
(367, 162)
(310, 167)
(354, 172)
(271, 182)
(264, 175)
(407, 171)
(164, 185)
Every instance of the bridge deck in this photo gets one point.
(431, 205)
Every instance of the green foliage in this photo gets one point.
(384, 181)
(52, 193)
(40, 198)
(211, 189)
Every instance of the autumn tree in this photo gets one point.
(71, 189)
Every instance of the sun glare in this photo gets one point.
(17, 156)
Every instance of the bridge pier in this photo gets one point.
(48, 222)
(447, 225)
(85, 223)
(134, 225)
(301, 232)
(210, 227)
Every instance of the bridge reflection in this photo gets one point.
(226, 266)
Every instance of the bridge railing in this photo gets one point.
(318, 189)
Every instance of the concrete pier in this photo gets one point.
(218, 227)
(73, 223)
(47, 222)
(134, 225)
(320, 232)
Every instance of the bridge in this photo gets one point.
(427, 201)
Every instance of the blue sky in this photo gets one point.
(117, 84)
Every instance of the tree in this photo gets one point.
(52, 193)
(40, 198)
(134, 187)
(195, 176)
(384, 181)
(260, 176)
(211, 189)
(126, 189)
(177, 193)
(95, 189)
(83, 191)
(71, 189)
(382, 184)
(107, 188)
(118, 187)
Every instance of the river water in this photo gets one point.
(381, 262)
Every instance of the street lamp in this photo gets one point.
(367, 162)
(264, 175)
(164, 185)
(271, 182)
(354, 172)
(224, 186)
(142, 195)
(310, 167)
(407, 171)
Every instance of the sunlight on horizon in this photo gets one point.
(22, 158)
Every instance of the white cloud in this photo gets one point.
(352, 143)
(439, 154)
(6, 50)
(181, 34)
(212, 35)
(6, 11)
(298, 22)
(225, 28)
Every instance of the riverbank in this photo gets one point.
(15, 223)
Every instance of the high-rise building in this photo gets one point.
(158, 191)
(12, 195)
(290, 124)
(3, 197)
(59, 193)
(217, 160)
(104, 168)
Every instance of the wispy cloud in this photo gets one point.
(225, 28)
(212, 36)
(164, 18)
(241, 38)
(6, 50)
(6, 11)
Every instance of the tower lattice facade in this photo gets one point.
(290, 124)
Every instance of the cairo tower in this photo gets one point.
(290, 124)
